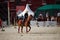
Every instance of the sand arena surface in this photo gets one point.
(36, 33)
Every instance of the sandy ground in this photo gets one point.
(36, 33)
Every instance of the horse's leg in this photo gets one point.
(22, 28)
(26, 29)
(26, 26)
(18, 29)
(29, 28)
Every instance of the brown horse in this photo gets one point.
(26, 23)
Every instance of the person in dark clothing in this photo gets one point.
(25, 16)
(0, 22)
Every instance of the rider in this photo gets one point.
(25, 16)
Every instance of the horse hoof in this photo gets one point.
(21, 32)
(27, 31)
(18, 32)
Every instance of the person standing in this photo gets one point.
(0, 23)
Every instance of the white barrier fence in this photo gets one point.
(33, 23)
(43, 23)
(40, 23)
(37, 23)
(4, 23)
(50, 23)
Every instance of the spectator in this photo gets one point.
(40, 18)
(52, 18)
(0, 22)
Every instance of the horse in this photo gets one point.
(25, 23)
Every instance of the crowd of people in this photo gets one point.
(46, 18)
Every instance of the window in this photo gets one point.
(43, 2)
(23, 0)
(12, 0)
